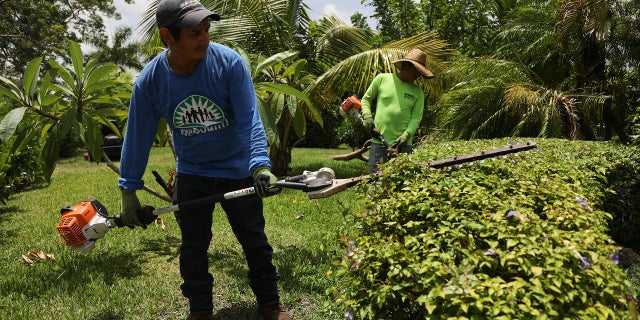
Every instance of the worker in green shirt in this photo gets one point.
(399, 106)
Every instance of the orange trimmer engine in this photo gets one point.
(350, 107)
(81, 225)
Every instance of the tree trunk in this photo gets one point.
(280, 153)
(280, 159)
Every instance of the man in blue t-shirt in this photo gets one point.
(206, 94)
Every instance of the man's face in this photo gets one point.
(193, 43)
(414, 73)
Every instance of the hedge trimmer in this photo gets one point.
(85, 223)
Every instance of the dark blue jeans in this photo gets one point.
(247, 222)
(378, 155)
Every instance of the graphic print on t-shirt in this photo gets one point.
(197, 114)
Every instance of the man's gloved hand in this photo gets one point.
(402, 139)
(367, 122)
(129, 207)
(264, 182)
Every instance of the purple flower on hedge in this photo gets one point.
(614, 257)
(350, 246)
(348, 315)
(583, 203)
(585, 262)
(490, 253)
(511, 213)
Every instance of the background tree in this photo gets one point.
(121, 50)
(358, 20)
(467, 25)
(30, 29)
(565, 86)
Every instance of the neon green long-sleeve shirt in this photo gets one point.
(399, 106)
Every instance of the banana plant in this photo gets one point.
(279, 81)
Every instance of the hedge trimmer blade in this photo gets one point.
(477, 156)
(339, 185)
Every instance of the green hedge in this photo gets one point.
(522, 237)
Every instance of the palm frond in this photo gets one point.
(339, 41)
(355, 73)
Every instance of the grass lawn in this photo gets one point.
(133, 273)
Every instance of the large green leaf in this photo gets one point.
(75, 53)
(24, 138)
(65, 75)
(299, 122)
(285, 89)
(66, 122)
(10, 90)
(274, 59)
(92, 136)
(100, 73)
(295, 68)
(97, 87)
(50, 153)
(29, 83)
(269, 122)
(10, 122)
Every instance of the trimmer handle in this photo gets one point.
(145, 215)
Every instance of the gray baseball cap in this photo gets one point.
(182, 13)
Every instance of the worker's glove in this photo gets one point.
(129, 207)
(402, 139)
(264, 182)
(367, 122)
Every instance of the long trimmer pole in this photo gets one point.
(210, 199)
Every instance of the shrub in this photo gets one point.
(20, 169)
(523, 237)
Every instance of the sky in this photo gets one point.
(131, 13)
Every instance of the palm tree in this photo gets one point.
(496, 98)
(592, 33)
(121, 50)
(547, 77)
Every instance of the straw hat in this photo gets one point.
(419, 60)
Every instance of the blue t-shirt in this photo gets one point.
(212, 112)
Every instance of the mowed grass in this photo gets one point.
(133, 273)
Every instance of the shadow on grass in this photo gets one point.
(297, 265)
(108, 315)
(226, 261)
(70, 270)
(5, 215)
(169, 247)
(237, 312)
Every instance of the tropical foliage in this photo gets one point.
(121, 49)
(65, 99)
(564, 84)
(341, 56)
(31, 29)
